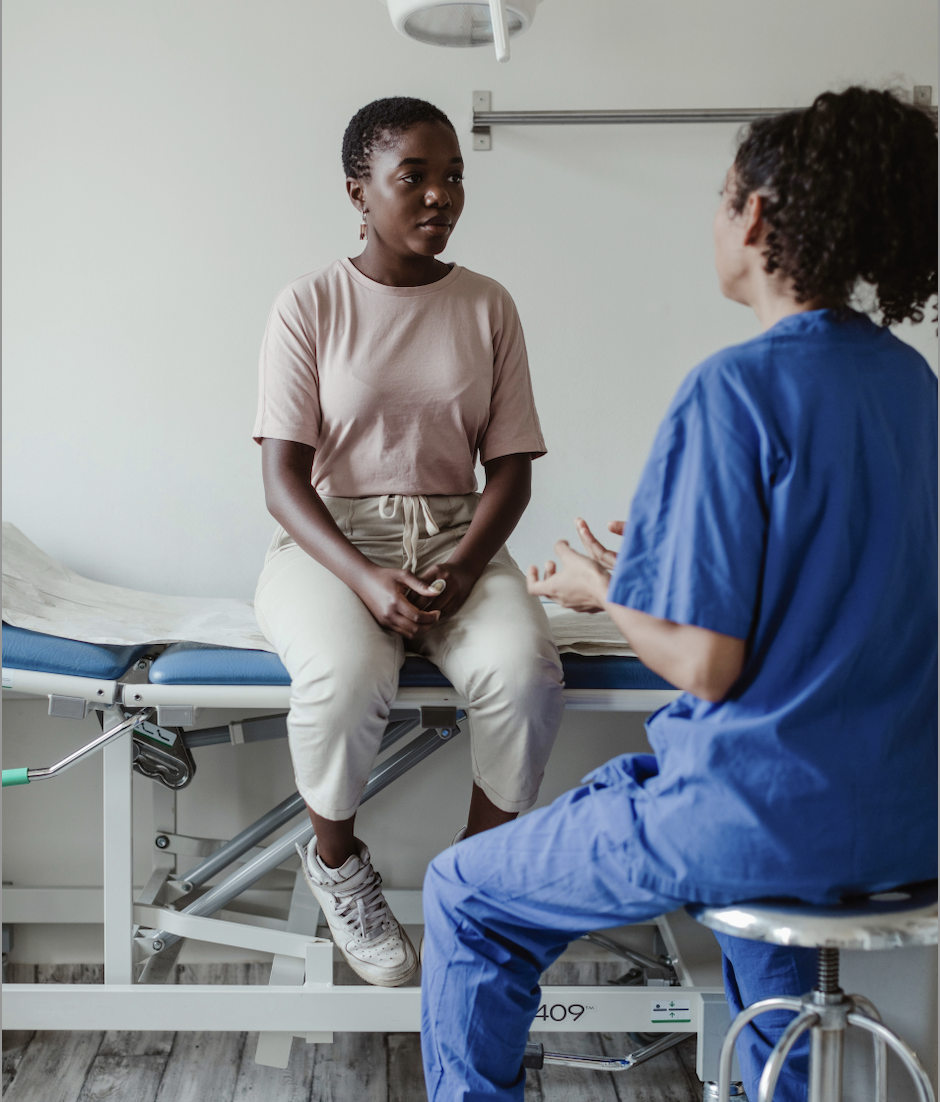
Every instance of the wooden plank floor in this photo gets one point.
(49, 1066)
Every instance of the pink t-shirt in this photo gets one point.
(397, 388)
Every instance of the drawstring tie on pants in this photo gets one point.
(413, 507)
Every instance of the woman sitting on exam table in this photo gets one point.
(382, 379)
(779, 564)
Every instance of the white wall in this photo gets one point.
(168, 167)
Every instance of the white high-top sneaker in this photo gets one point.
(365, 930)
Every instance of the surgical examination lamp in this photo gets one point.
(448, 23)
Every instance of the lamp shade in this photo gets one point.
(451, 23)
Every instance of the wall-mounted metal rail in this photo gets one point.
(485, 117)
(563, 118)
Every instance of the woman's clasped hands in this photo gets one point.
(385, 593)
(409, 605)
(581, 581)
(459, 579)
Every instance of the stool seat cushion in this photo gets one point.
(883, 920)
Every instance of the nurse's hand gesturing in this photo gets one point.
(581, 583)
(598, 552)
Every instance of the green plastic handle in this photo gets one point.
(15, 776)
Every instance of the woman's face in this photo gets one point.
(415, 194)
(727, 231)
(733, 231)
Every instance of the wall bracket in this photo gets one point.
(482, 138)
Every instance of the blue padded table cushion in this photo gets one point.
(32, 650)
(204, 664)
(609, 671)
(200, 664)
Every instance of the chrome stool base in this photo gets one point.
(711, 1092)
(826, 1012)
(904, 916)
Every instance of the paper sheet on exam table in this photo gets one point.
(42, 594)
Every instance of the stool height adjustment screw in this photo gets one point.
(827, 971)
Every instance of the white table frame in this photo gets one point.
(301, 999)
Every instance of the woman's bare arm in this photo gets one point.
(294, 503)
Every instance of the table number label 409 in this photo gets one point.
(558, 1012)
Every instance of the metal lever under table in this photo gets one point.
(536, 1057)
(25, 776)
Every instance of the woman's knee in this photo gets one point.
(348, 681)
(518, 670)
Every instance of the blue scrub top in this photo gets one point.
(790, 499)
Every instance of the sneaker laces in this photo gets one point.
(358, 902)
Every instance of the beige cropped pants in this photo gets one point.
(497, 650)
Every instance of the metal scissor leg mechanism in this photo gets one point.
(660, 969)
(161, 754)
(217, 897)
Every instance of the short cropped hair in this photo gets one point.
(377, 122)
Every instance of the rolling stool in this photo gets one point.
(884, 920)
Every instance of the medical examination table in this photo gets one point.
(148, 700)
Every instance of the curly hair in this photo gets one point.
(376, 122)
(850, 199)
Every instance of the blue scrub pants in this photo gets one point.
(502, 906)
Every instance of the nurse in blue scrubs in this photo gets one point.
(779, 565)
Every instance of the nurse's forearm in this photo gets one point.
(704, 663)
(504, 500)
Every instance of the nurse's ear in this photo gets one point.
(752, 220)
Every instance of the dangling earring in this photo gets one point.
(364, 228)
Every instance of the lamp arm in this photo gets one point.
(500, 29)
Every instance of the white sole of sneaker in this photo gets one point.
(391, 978)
